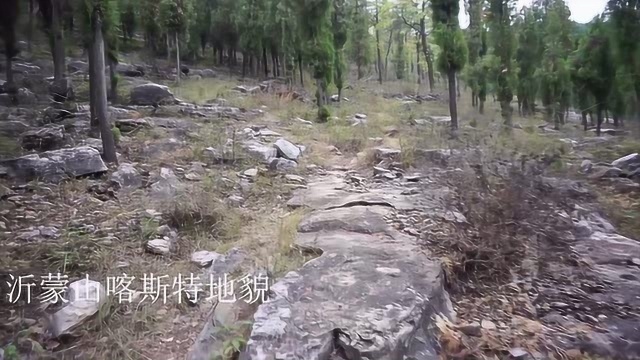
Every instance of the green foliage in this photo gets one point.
(117, 135)
(454, 53)
(323, 114)
(528, 56)
(359, 39)
(400, 60)
(11, 352)
(173, 16)
(503, 43)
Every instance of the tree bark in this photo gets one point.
(425, 47)
(418, 67)
(265, 62)
(94, 131)
(108, 142)
(30, 26)
(58, 42)
(301, 70)
(244, 64)
(178, 67)
(168, 48)
(600, 111)
(453, 108)
(386, 57)
(584, 120)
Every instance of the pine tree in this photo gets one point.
(528, 58)
(339, 26)
(502, 40)
(453, 49)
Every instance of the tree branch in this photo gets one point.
(414, 26)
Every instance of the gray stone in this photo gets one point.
(267, 132)
(130, 70)
(602, 172)
(228, 263)
(439, 119)
(77, 65)
(437, 156)
(287, 150)
(251, 173)
(118, 113)
(151, 94)
(166, 184)
(295, 178)
(235, 200)
(207, 73)
(627, 161)
(158, 246)
(56, 165)
(216, 156)
(583, 228)
(368, 294)
(44, 139)
(359, 219)
(85, 299)
(23, 68)
(387, 154)
(586, 166)
(283, 165)
(259, 151)
(247, 89)
(127, 177)
(12, 128)
(205, 258)
(128, 125)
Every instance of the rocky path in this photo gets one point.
(371, 293)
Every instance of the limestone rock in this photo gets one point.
(205, 258)
(387, 154)
(287, 150)
(247, 89)
(627, 161)
(259, 151)
(127, 177)
(158, 246)
(43, 139)
(282, 165)
(602, 172)
(56, 165)
(151, 94)
(166, 184)
(586, 166)
(85, 299)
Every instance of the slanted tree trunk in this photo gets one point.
(58, 42)
(108, 142)
(453, 107)
(178, 67)
(386, 57)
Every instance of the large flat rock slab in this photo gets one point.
(368, 297)
(333, 192)
(371, 294)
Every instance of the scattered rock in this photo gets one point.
(488, 325)
(77, 65)
(128, 125)
(159, 246)
(44, 139)
(287, 150)
(12, 128)
(586, 166)
(602, 172)
(204, 258)
(295, 178)
(85, 299)
(127, 177)
(281, 164)
(130, 70)
(151, 94)
(472, 329)
(247, 89)
(387, 154)
(259, 151)
(235, 200)
(56, 165)
(303, 121)
(250, 173)
(166, 185)
(627, 161)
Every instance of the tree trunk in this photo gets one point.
(58, 42)
(244, 64)
(178, 67)
(453, 108)
(616, 119)
(113, 95)
(379, 57)
(584, 120)
(481, 107)
(507, 112)
(386, 57)
(168, 48)
(425, 48)
(600, 111)
(108, 143)
(418, 67)
(94, 131)
(300, 69)
(265, 62)
(30, 26)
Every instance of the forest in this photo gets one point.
(379, 179)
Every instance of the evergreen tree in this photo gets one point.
(453, 49)
(528, 58)
(502, 40)
(8, 19)
(339, 26)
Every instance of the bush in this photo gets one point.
(323, 114)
